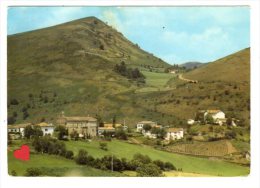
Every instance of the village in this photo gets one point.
(88, 127)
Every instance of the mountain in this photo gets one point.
(232, 68)
(69, 67)
(191, 65)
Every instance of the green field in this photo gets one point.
(54, 166)
(187, 163)
(157, 79)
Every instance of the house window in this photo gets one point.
(46, 130)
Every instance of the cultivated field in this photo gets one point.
(211, 149)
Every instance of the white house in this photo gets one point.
(139, 125)
(17, 131)
(190, 121)
(217, 115)
(47, 128)
(174, 134)
(149, 134)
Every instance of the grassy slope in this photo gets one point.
(53, 165)
(232, 68)
(57, 166)
(187, 163)
(66, 60)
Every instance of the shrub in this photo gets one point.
(121, 134)
(147, 127)
(134, 164)
(103, 146)
(102, 47)
(149, 170)
(159, 163)
(61, 132)
(169, 166)
(230, 134)
(30, 132)
(14, 102)
(82, 157)
(33, 172)
(11, 120)
(13, 173)
(145, 159)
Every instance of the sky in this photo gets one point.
(174, 34)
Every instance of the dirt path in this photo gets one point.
(187, 80)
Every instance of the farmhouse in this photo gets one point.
(190, 122)
(108, 128)
(84, 126)
(17, 131)
(217, 116)
(47, 128)
(174, 134)
(139, 125)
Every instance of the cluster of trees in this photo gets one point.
(61, 132)
(44, 97)
(32, 132)
(142, 164)
(51, 146)
(133, 74)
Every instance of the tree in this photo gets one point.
(144, 159)
(147, 127)
(37, 131)
(149, 170)
(33, 172)
(159, 163)
(160, 133)
(28, 131)
(11, 120)
(121, 134)
(169, 166)
(102, 47)
(15, 114)
(209, 119)
(61, 131)
(69, 154)
(30, 96)
(25, 114)
(82, 157)
(229, 121)
(230, 134)
(74, 135)
(114, 120)
(14, 102)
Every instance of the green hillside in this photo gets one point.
(69, 68)
(232, 68)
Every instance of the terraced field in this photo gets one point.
(211, 149)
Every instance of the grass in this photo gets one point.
(158, 80)
(187, 163)
(54, 166)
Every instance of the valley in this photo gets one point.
(72, 69)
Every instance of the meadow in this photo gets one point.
(186, 163)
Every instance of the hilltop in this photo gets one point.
(192, 64)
